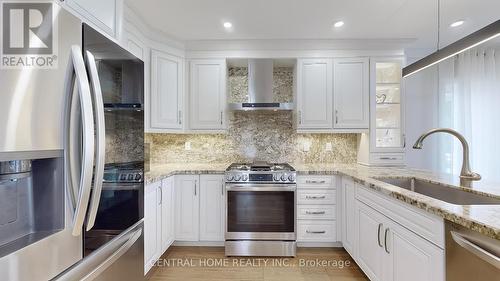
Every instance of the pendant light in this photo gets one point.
(470, 41)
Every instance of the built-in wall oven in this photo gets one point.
(260, 210)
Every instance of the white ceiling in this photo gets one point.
(188, 20)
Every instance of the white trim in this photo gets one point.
(319, 244)
(198, 244)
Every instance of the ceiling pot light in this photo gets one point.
(338, 24)
(228, 24)
(457, 23)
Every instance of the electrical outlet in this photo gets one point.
(187, 145)
(306, 147)
(328, 146)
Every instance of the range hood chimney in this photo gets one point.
(260, 88)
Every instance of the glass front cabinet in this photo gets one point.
(385, 143)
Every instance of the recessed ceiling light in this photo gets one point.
(228, 24)
(457, 23)
(338, 24)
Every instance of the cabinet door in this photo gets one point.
(387, 110)
(167, 213)
(212, 211)
(349, 215)
(314, 94)
(151, 223)
(351, 93)
(411, 257)
(102, 13)
(187, 208)
(370, 228)
(166, 91)
(207, 94)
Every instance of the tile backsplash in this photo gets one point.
(266, 136)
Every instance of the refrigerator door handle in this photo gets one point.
(87, 270)
(79, 171)
(100, 138)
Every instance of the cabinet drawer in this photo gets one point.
(316, 182)
(387, 159)
(313, 197)
(313, 212)
(316, 231)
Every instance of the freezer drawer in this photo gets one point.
(120, 259)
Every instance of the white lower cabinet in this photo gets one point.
(212, 208)
(152, 224)
(348, 211)
(187, 206)
(382, 247)
(199, 211)
(317, 210)
(370, 227)
(158, 220)
(167, 213)
(412, 258)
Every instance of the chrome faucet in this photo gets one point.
(466, 172)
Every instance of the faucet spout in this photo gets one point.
(466, 172)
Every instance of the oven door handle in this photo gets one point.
(260, 187)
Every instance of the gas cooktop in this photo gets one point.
(260, 172)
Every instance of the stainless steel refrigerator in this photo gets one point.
(71, 156)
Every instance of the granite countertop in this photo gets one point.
(482, 218)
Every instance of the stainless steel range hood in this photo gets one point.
(260, 88)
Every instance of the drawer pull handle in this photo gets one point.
(315, 182)
(315, 232)
(388, 158)
(315, 197)
(385, 240)
(315, 213)
(380, 225)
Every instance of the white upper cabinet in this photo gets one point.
(187, 206)
(166, 103)
(101, 13)
(207, 94)
(212, 206)
(314, 94)
(351, 93)
(387, 128)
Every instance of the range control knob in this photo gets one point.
(237, 177)
(276, 177)
(229, 177)
(244, 177)
(283, 177)
(291, 178)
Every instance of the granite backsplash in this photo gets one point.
(266, 136)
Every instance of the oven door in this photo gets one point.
(119, 208)
(261, 212)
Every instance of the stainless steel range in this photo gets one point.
(260, 210)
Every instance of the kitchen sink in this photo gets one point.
(440, 192)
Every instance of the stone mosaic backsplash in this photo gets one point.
(254, 135)
(124, 137)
